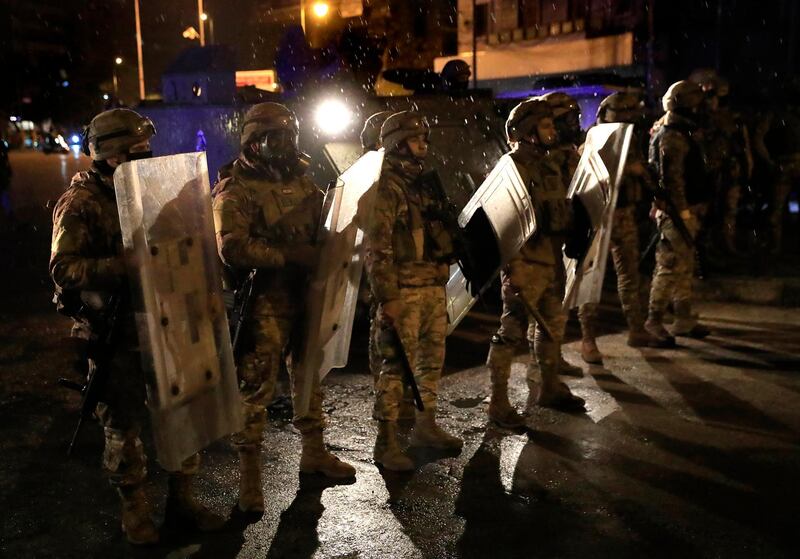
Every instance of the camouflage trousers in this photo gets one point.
(624, 249)
(122, 412)
(675, 261)
(524, 286)
(258, 374)
(421, 326)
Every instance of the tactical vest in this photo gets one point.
(420, 233)
(698, 189)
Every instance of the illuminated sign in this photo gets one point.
(262, 79)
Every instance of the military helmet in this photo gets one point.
(455, 72)
(683, 94)
(621, 106)
(561, 103)
(114, 132)
(402, 126)
(524, 118)
(264, 117)
(371, 133)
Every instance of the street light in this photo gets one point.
(117, 62)
(204, 17)
(320, 9)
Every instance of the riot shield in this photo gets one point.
(596, 184)
(497, 221)
(333, 293)
(173, 269)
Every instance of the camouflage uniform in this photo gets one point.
(678, 159)
(534, 280)
(624, 245)
(258, 220)
(86, 258)
(407, 259)
(777, 142)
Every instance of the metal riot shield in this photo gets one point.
(333, 293)
(497, 221)
(596, 184)
(171, 254)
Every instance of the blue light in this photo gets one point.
(75, 139)
(65, 83)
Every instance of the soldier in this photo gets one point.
(533, 282)
(677, 159)
(776, 139)
(455, 76)
(408, 256)
(371, 141)
(635, 183)
(266, 213)
(729, 160)
(87, 267)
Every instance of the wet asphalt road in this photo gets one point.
(693, 452)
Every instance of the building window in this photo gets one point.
(481, 23)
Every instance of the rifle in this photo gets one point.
(672, 212)
(448, 214)
(408, 372)
(100, 350)
(238, 303)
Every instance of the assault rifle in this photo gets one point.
(238, 303)
(100, 350)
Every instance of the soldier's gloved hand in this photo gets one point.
(304, 256)
(390, 311)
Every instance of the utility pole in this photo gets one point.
(201, 23)
(139, 49)
(474, 48)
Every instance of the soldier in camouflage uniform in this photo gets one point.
(566, 154)
(776, 140)
(624, 246)
(677, 158)
(87, 267)
(409, 252)
(266, 214)
(533, 282)
(729, 159)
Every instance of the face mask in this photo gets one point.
(140, 155)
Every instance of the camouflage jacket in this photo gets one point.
(677, 158)
(541, 171)
(258, 220)
(567, 157)
(405, 248)
(86, 248)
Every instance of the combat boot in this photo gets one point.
(655, 327)
(590, 352)
(639, 337)
(137, 525)
(183, 510)
(387, 452)
(686, 324)
(500, 409)
(428, 433)
(556, 395)
(251, 495)
(316, 459)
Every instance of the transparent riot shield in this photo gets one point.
(596, 184)
(497, 221)
(171, 254)
(333, 293)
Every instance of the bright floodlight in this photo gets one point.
(333, 117)
(204, 16)
(75, 139)
(320, 9)
(118, 60)
(105, 96)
